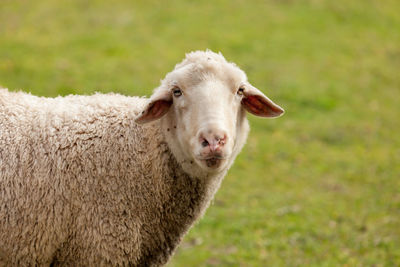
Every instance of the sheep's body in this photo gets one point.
(82, 184)
(114, 180)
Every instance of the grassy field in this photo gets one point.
(319, 186)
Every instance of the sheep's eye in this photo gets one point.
(240, 91)
(177, 92)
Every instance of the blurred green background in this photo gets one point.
(317, 187)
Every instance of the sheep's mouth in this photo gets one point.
(213, 162)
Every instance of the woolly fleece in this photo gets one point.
(82, 184)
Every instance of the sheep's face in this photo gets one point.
(204, 101)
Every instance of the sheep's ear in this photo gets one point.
(255, 102)
(159, 104)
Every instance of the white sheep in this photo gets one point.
(88, 181)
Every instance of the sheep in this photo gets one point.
(114, 180)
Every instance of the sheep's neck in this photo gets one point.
(189, 196)
(184, 200)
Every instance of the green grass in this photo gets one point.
(317, 187)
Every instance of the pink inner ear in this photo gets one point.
(261, 106)
(154, 111)
(159, 108)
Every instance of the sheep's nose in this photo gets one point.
(215, 140)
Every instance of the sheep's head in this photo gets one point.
(202, 104)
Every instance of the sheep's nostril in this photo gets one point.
(222, 141)
(214, 140)
(204, 143)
